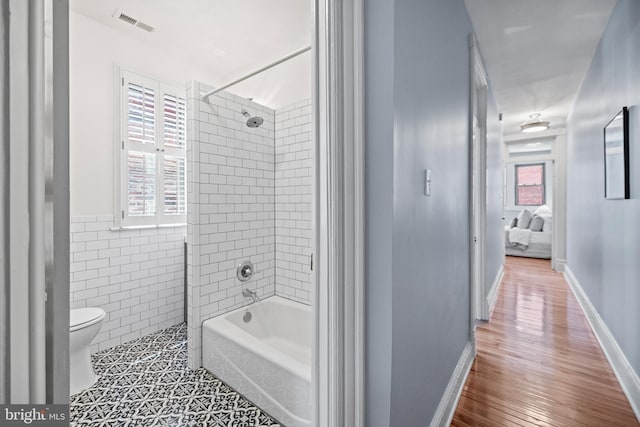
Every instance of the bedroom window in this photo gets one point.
(152, 147)
(530, 184)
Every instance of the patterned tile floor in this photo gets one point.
(146, 382)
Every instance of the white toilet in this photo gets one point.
(84, 324)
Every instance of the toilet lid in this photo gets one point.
(83, 316)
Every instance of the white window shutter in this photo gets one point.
(141, 114)
(175, 196)
(174, 121)
(139, 158)
(174, 168)
(141, 183)
(153, 160)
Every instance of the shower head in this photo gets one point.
(252, 121)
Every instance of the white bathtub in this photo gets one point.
(268, 359)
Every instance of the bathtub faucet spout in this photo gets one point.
(250, 294)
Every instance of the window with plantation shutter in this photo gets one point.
(153, 152)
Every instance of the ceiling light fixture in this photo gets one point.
(534, 124)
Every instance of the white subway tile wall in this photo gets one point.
(136, 276)
(294, 169)
(231, 206)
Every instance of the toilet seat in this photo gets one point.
(84, 317)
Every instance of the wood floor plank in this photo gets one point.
(538, 362)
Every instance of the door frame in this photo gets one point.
(558, 182)
(338, 102)
(38, 282)
(478, 183)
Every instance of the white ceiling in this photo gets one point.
(229, 38)
(537, 53)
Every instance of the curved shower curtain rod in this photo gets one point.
(206, 96)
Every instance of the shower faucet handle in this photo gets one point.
(245, 270)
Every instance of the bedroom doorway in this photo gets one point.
(534, 180)
(529, 191)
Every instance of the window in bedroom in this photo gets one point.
(529, 184)
(152, 148)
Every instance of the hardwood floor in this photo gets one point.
(538, 362)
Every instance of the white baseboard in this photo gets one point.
(492, 297)
(625, 373)
(447, 406)
(560, 265)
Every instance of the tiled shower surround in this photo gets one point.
(233, 202)
(294, 175)
(230, 208)
(136, 276)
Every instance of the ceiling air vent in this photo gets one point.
(133, 21)
(128, 19)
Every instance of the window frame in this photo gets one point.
(123, 77)
(516, 186)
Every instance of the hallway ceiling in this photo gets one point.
(537, 53)
(229, 38)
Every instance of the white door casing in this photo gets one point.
(478, 163)
(338, 375)
(478, 171)
(38, 225)
(339, 214)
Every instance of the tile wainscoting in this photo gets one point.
(136, 276)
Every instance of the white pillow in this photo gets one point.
(547, 222)
(536, 224)
(524, 218)
(543, 210)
